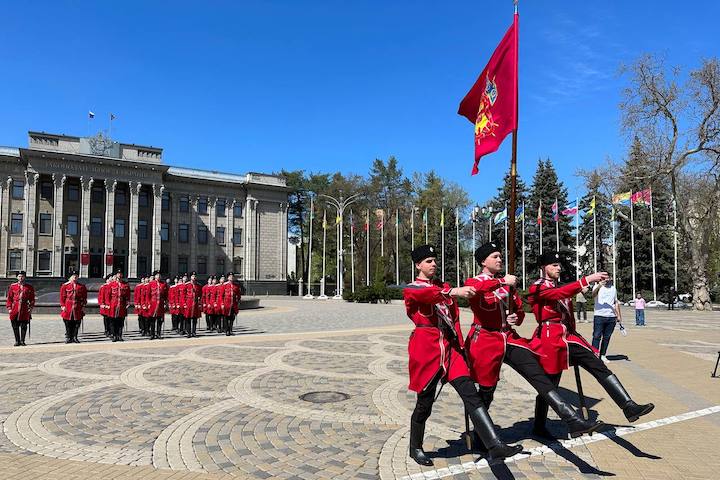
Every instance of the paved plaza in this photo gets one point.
(312, 390)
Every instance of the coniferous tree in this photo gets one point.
(498, 204)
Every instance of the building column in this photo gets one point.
(212, 204)
(282, 234)
(157, 219)
(174, 213)
(86, 187)
(30, 221)
(133, 229)
(5, 188)
(251, 227)
(192, 263)
(110, 186)
(58, 225)
(229, 234)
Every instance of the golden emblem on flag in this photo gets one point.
(484, 124)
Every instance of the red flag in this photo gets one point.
(491, 104)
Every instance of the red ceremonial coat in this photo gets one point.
(173, 300)
(434, 345)
(20, 301)
(137, 299)
(489, 335)
(553, 311)
(103, 300)
(193, 300)
(157, 296)
(206, 300)
(230, 298)
(118, 298)
(73, 298)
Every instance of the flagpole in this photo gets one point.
(652, 243)
(425, 220)
(614, 249)
(382, 233)
(557, 225)
(367, 248)
(541, 226)
(338, 253)
(595, 236)
(457, 247)
(510, 263)
(632, 243)
(523, 245)
(412, 238)
(322, 280)
(352, 253)
(473, 218)
(507, 253)
(675, 255)
(397, 247)
(309, 279)
(442, 241)
(577, 239)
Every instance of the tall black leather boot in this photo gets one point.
(23, 331)
(576, 424)
(417, 434)
(497, 450)
(541, 411)
(617, 392)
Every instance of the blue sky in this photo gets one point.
(264, 85)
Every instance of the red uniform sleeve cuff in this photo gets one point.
(446, 292)
(584, 282)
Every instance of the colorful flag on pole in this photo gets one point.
(622, 198)
(91, 114)
(520, 213)
(380, 214)
(112, 117)
(539, 217)
(337, 219)
(491, 103)
(442, 217)
(500, 216)
(643, 197)
(488, 213)
(571, 209)
(591, 210)
(554, 209)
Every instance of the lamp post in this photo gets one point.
(340, 205)
(487, 213)
(474, 218)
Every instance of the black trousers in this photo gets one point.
(580, 307)
(181, 323)
(155, 325)
(228, 322)
(464, 386)
(108, 325)
(118, 323)
(191, 326)
(19, 329)
(71, 328)
(526, 364)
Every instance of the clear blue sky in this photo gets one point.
(264, 85)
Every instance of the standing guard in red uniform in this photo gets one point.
(193, 305)
(492, 340)
(560, 345)
(218, 306)
(73, 298)
(119, 297)
(173, 302)
(230, 302)
(20, 303)
(157, 304)
(436, 354)
(104, 305)
(206, 302)
(182, 286)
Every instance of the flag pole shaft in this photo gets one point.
(322, 280)
(397, 247)
(510, 235)
(367, 248)
(614, 248)
(652, 243)
(577, 239)
(632, 244)
(473, 244)
(309, 277)
(595, 239)
(412, 239)
(523, 246)
(675, 243)
(457, 247)
(442, 241)
(352, 253)
(557, 225)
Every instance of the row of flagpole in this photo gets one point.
(643, 197)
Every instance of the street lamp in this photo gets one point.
(340, 205)
(474, 218)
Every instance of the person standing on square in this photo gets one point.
(580, 304)
(640, 310)
(605, 316)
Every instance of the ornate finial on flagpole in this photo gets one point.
(515, 2)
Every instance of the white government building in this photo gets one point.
(95, 205)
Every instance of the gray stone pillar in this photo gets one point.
(229, 234)
(157, 219)
(110, 186)
(250, 249)
(58, 225)
(212, 203)
(282, 235)
(5, 188)
(30, 220)
(192, 263)
(174, 226)
(133, 229)
(86, 187)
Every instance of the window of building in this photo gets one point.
(164, 232)
(183, 233)
(237, 210)
(164, 264)
(220, 235)
(220, 265)
(144, 198)
(166, 201)
(237, 236)
(46, 190)
(142, 265)
(182, 264)
(45, 223)
(96, 227)
(120, 197)
(202, 205)
(72, 225)
(143, 229)
(220, 207)
(202, 234)
(237, 267)
(15, 260)
(73, 192)
(44, 261)
(119, 228)
(97, 195)
(201, 265)
(18, 189)
(184, 204)
(16, 223)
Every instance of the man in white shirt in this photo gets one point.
(606, 315)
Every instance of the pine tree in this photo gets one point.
(498, 204)
(595, 228)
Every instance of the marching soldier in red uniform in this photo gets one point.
(73, 298)
(193, 305)
(104, 305)
(560, 345)
(492, 340)
(230, 302)
(20, 303)
(157, 304)
(118, 298)
(436, 354)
